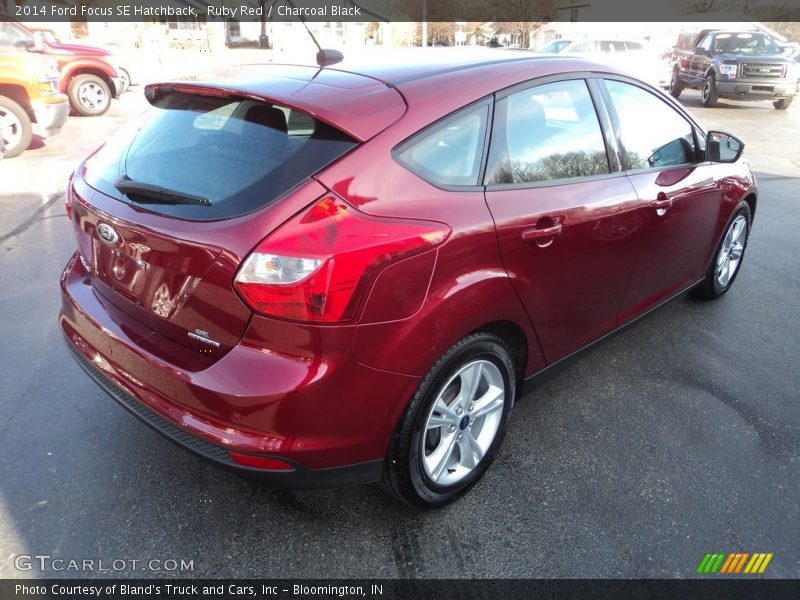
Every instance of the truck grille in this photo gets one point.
(758, 70)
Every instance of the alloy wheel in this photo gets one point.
(463, 422)
(730, 253)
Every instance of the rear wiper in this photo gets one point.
(146, 193)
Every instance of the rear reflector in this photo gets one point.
(260, 462)
(315, 267)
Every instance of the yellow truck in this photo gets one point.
(28, 94)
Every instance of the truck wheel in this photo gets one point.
(89, 95)
(16, 129)
(710, 96)
(783, 103)
(675, 84)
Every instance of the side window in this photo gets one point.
(450, 153)
(634, 46)
(10, 35)
(611, 46)
(652, 133)
(545, 133)
(583, 47)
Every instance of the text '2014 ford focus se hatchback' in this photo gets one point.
(334, 275)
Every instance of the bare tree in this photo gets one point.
(527, 16)
(704, 6)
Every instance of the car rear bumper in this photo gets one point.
(299, 477)
(330, 427)
(756, 90)
(119, 86)
(51, 114)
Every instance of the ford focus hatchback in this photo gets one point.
(338, 275)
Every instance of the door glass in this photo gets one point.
(652, 134)
(547, 132)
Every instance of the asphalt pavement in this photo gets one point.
(679, 437)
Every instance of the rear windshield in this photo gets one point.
(207, 158)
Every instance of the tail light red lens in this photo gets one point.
(316, 266)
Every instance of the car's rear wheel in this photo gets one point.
(728, 259)
(454, 424)
(710, 95)
(783, 103)
(16, 129)
(89, 95)
(675, 84)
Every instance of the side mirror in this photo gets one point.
(723, 147)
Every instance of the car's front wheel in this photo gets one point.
(728, 259)
(710, 95)
(454, 424)
(16, 129)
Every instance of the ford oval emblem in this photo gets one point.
(107, 233)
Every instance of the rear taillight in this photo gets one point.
(315, 266)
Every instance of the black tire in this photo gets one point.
(709, 92)
(675, 84)
(783, 103)
(22, 129)
(711, 287)
(404, 475)
(89, 95)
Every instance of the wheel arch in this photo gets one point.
(751, 202)
(483, 301)
(90, 71)
(516, 339)
(18, 94)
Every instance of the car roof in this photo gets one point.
(365, 95)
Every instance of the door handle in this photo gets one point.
(661, 202)
(537, 233)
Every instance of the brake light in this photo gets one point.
(315, 266)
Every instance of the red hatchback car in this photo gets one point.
(328, 275)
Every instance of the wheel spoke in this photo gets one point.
(470, 380)
(445, 411)
(490, 402)
(471, 452)
(725, 273)
(438, 458)
(741, 235)
(438, 420)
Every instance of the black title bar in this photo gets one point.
(397, 10)
(390, 589)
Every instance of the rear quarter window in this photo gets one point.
(448, 153)
(238, 154)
